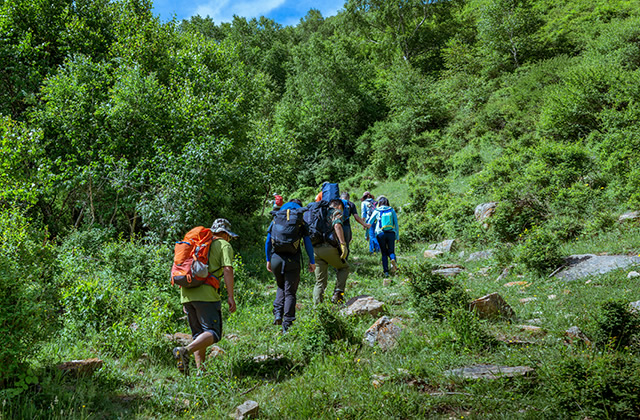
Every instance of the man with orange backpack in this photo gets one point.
(202, 302)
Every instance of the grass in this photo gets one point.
(307, 374)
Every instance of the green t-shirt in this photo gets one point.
(220, 255)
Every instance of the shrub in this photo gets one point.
(324, 328)
(433, 295)
(540, 252)
(26, 296)
(469, 330)
(615, 325)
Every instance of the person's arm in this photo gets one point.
(308, 246)
(228, 282)
(361, 221)
(268, 250)
(344, 251)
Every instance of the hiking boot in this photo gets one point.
(181, 354)
(277, 321)
(338, 297)
(394, 264)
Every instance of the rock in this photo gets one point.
(489, 371)
(180, 339)
(633, 275)
(386, 282)
(444, 246)
(484, 271)
(492, 306)
(84, 367)
(504, 274)
(511, 341)
(629, 216)
(232, 337)
(580, 266)
(480, 255)
(484, 211)
(635, 306)
(449, 270)
(364, 305)
(216, 351)
(529, 299)
(517, 283)
(532, 329)
(574, 333)
(535, 321)
(552, 297)
(384, 332)
(432, 253)
(248, 409)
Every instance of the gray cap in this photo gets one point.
(222, 225)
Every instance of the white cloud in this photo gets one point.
(223, 10)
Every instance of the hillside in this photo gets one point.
(119, 133)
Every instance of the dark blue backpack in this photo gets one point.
(316, 217)
(286, 230)
(330, 192)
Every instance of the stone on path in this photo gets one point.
(633, 275)
(430, 253)
(180, 339)
(629, 216)
(504, 274)
(517, 283)
(81, 367)
(580, 266)
(480, 255)
(444, 246)
(484, 211)
(449, 270)
(248, 409)
(529, 299)
(216, 351)
(533, 330)
(489, 371)
(363, 305)
(492, 306)
(385, 332)
(574, 333)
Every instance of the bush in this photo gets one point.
(324, 328)
(26, 296)
(540, 252)
(615, 324)
(469, 330)
(433, 295)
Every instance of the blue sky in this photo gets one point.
(285, 12)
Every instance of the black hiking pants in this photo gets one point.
(286, 268)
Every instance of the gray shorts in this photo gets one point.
(205, 316)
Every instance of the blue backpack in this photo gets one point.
(385, 220)
(330, 192)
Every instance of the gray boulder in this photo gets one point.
(384, 332)
(480, 255)
(444, 246)
(629, 216)
(489, 371)
(247, 410)
(584, 265)
(362, 306)
(485, 211)
(492, 306)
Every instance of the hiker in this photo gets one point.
(385, 220)
(349, 210)
(202, 304)
(332, 251)
(367, 206)
(284, 259)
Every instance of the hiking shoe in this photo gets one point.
(181, 354)
(277, 321)
(394, 264)
(338, 297)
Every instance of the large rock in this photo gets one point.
(485, 211)
(84, 367)
(629, 216)
(449, 270)
(363, 305)
(248, 409)
(384, 332)
(575, 334)
(489, 371)
(492, 306)
(480, 255)
(444, 246)
(581, 266)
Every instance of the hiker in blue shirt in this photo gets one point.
(367, 207)
(385, 220)
(286, 266)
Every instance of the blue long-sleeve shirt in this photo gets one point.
(268, 249)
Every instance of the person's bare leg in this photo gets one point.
(199, 346)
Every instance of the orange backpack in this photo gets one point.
(191, 260)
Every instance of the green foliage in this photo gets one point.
(469, 330)
(540, 251)
(615, 325)
(319, 333)
(433, 295)
(27, 296)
